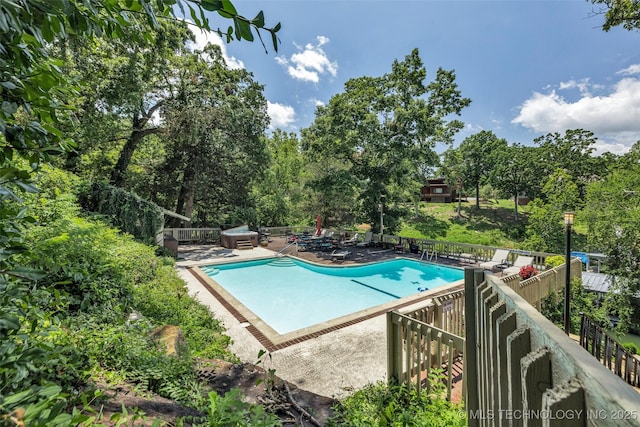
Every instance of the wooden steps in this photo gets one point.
(244, 244)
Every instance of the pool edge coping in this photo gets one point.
(273, 340)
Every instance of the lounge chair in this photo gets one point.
(520, 262)
(350, 242)
(339, 255)
(367, 239)
(500, 258)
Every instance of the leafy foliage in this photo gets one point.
(380, 131)
(231, 410)
(384, 404)
(125, 210)
(527, 272)
(582, 301)
(613, 214)
(165, 300)
(546, 228)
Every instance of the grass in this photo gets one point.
(630, 338)
(494, 224)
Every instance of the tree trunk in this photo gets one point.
(478, 195)
(515, 200)
(138, 133)
(184, 205)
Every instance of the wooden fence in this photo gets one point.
(460, 251)
(521, 370)
(417, 349)
(200, 235)
(609, 352)
(426, 338)
(536, 288)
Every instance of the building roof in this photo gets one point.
(596, 282)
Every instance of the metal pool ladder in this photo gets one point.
(430, 255)
(280, 252)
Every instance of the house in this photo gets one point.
(437, 190)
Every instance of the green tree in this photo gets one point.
(616, 12)
(612, 213)
(545, 229)
(453, 168)
(35, 95)
(513, 171)
(214, 120)
(573, 152)
(281, 190)
(477, 154)
(384, 128)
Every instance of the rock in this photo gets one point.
(171, 337)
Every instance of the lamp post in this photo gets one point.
(568, 222)
(381, 216)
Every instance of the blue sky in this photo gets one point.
(529, 67)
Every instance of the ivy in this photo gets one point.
(124, 210)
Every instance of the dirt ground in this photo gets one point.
(294, 406)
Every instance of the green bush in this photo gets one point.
(165, 300)
(631, 347)
(384, 404)
(554, 261)
(231, 410)
(95, 266)
(130, 350)
(123, 209)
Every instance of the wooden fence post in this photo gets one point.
(470, 360)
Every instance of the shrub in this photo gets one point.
(94, 265)
(527, 272)
(165, 300)
(389, 404)
(631, 347)
(554, 261)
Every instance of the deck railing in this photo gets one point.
(417, 349)
(203, 235)
(520, 369)
(538, 287)
(426, 338)
(609, 352)
(460, 251)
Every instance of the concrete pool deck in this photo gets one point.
(331, 364)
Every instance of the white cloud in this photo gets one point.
(282, 116)
(316, 102)
(632, 69)
(310, 62)
(612, 117)
(204, 37)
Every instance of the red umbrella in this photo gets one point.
(318, 225)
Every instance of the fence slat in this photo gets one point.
(505, 327)
(536, 379)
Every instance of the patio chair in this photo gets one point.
(339, 255)
(500, 258)
(350, 242)
(520, 262)
(367, 239)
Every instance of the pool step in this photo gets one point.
(210, 271)
(282, 262)
(244, 244)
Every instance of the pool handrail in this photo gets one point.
(280, 252)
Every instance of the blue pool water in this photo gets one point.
(291, 294)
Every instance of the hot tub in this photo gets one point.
(229, 238)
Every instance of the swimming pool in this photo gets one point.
(287, 294)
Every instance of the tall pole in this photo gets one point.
(568, 220)
(381, 218)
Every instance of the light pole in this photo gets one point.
(568, 222)
(381, 216)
